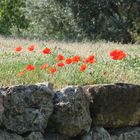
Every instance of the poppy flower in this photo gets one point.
(86, 61)
(60, 57)
(83, 67)
(46, 51)
(18, 49)
(117, 54)
(90, 59)
(121, 55)
(30, 67)
(68, 61)
(60, 64)
(76, 59)
(52, 70)
(21, 72)
(44, 66)
(31, 48)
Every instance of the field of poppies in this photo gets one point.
(24, 62)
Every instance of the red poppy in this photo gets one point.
(68, 61)
(31, 48)
(18, 49)
(90, 59)
(60, 57)
(30, 67)
(86, 61)
(46, 51)
(60, 64)
(44, 66)
(52, 70)
(117, 54)
(83, 67)
(21, 72)
(76, 58)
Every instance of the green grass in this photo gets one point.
(104, 70)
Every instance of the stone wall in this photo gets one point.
(94, 112)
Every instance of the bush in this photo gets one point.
(12, 15)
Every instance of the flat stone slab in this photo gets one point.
(114, 105)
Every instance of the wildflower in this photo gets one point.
(21, 72)
(52, 70)
(30, 67)
(44, 66)
(46, 51)
(68, 61)
(90, 59)
(83, 67)
(60, 57)
(117, 54)
(18, 49)
(76, 58)
(31, 48)
(60, 64)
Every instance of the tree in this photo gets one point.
(11, 14)
(106, 19)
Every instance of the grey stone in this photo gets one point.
(48, 84)
(131, 134)
(97, 133)
(8, 136)
(54, 136)
(71, 112)
(1, 105)
(35, 136)
(27, 108)
(114, 105)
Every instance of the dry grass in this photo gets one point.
(104, 71)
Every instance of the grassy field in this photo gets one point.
(104, 70)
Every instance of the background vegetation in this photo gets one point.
(117, 21)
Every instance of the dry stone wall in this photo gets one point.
(93, 112)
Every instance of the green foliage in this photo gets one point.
(109, 20)
(117, 21)
(49, 19)
(94, 19)
(11, 15)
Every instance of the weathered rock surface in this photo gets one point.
(7, 136)
(27, 108)
(54, 136)
(71, 112)
(1, 105)
(36, 112)
(115, 105)
(97, 133)
(130, 134)
(35, 136)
